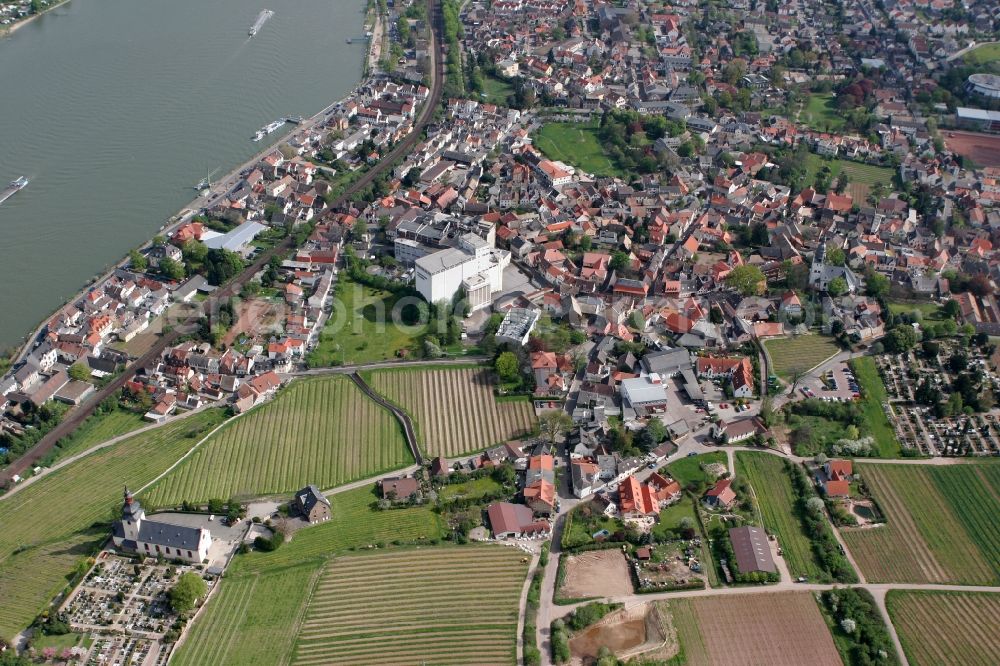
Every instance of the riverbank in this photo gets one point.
(185, 212)
(12, 28)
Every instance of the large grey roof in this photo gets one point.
(165, 534)
(751, 549)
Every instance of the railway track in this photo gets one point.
(76, 418)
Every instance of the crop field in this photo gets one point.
(946, 627)
(940, 525)
(353, 524)
(39, 546)
(250, 619)
(441, 606)
(776, 628)
(799, 353)
(576, 144)
(323, 431)
(873, 396)
(454, 410)
(99, 428)
(776, 502)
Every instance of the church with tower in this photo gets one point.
(137, 534)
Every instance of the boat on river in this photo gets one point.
(13, 188)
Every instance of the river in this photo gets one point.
(116, 108)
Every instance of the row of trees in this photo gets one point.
(811, 511)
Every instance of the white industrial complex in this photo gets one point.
(474, 266)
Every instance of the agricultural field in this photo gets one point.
(946, 627)
(250, 619)
(361, 328)
(323, 431)
(776, 502)
(40, 546)
(97, 429)
(860, 176)
(798, 354)
(940, 524)
(353, 524)
(873, 396)
(776, 628)
(455, 410)
(443, 606)
(576, 144)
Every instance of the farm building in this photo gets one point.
(134, 533)
(312, 505)
(738, 431)
(751, 549)
(515, 520)
(721, 495)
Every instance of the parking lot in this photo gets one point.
(837, 384)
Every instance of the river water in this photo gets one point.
(116, 108)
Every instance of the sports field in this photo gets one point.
(455, 410)
(946, 627)
(940, 524)
(799, 353)
(775, 628)
(442, 605)
(48, 525)
(323, 431)
(576, 144)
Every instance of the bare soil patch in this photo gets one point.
(597, 573)
(779, 629)
(644, 629)
(983, 149)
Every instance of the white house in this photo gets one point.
(137, 534)
(474, 266)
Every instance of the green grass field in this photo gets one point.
(576, 144)
(474, 419)
(688, 470)
(496, 91)
(353, 524)
(983, 54)
(946, 627)
(362, 329)
(776, 502)
(928, 309)
(97, 429)
(469, 489)
(861, 177)
(873, 396)
(800, 353)
(48, 525)
(821, 113)
(940, 524)
(445, 605)
(250, 619)
(323, 431)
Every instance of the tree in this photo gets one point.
(951, 308)
(746, 279)
(137, 261)
(901, 338)
(171, 269)
(837, 287)
(554, 423)
(877, 285)
(619, 260)
(222, 265)
(79, 371)
(187, 591)
(814, 505)
(506, 366)
(835, 257)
